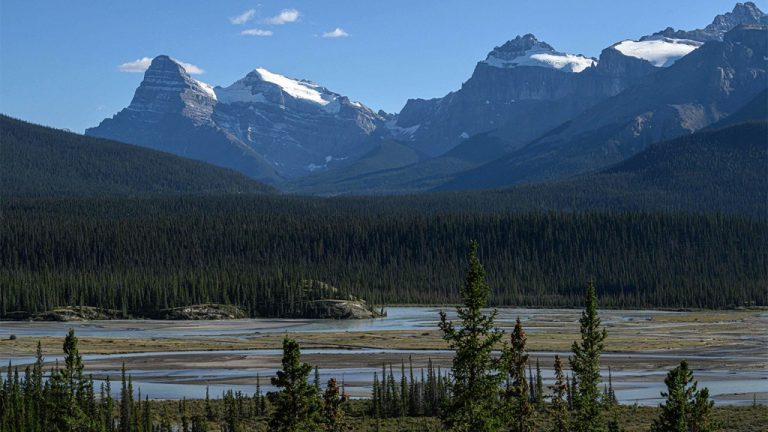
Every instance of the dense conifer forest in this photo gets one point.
(258, 251)
(485, 390)
(42, 161)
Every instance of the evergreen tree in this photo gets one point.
(333, 413)
(585, 364)
(539, 387)
(126, 403)
(316, 382)
(476, 373)
(518, 393)
(685, 408)
(70, 390)
(296, 404)
(559, 406)
(208, 407)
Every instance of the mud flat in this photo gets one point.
(174, 359)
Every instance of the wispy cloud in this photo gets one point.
(243, 17)
(142, 64)
(284, 17)
(256, 32)
(135, 66)
(338, 33)
(190, 68)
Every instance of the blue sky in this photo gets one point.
(59, 59)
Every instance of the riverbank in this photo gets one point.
(174, 359)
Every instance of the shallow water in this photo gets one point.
(173, 375)
(398, 318)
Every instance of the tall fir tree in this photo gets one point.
(476, 373)
(585, 364)
(685, 409)
(517, 395)
(296, 403)
(559, 406)
(539, 387)
(333, 412)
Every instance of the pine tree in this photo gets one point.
(316, 382)
(517, 396)
(208, 407)
(685, 408)
(296, 404)
(585, 364)
(375, 398)
(476, 373)
(333, 414)
(70, 394)
(539, 387)
(126, 405)
(559, 406)
(108, 407)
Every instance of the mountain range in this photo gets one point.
(529, 113)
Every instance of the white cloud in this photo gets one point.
(190, 68)
(284, 17)
(142, 64)
(338, 33)
(256, 32)
(135, 66)
(243, 17)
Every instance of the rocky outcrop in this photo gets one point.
(341, 309)
(69, 313)
(200, 312)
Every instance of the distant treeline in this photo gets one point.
(144, 253)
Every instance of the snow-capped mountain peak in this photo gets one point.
(529, 51)
(657, 50)
(299, 89)
(260, 82)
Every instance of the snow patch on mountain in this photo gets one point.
(207, 88)
(661, 52)
(238, 92)
(542, 55)
(298, 89)
(401, 132)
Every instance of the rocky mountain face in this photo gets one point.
(521, 90)
(743, 13)
(525, 87)
(265, 125)
(541, 112)
(298, 126)
(701, 88)
(173, 112)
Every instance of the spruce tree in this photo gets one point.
(126, 405)
(559, 406)
(296, 404)
(539, 387)
(685, 408)
(518, 399)
(333, 413)
(476, 373)
(585, 364)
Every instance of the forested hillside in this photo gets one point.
(713, 171)
(41, 161)
(132, 254)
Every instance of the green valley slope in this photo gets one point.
(42, 161)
